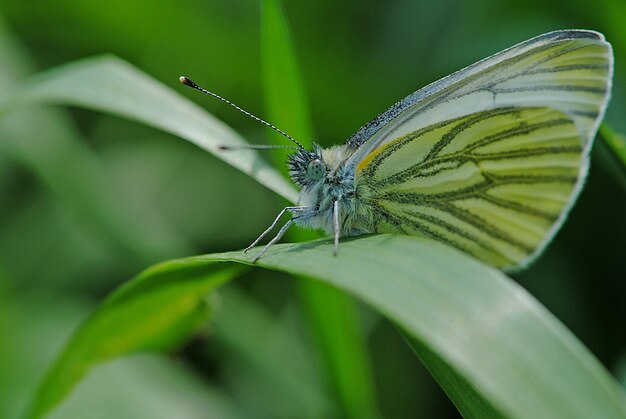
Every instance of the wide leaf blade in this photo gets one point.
(483, 329)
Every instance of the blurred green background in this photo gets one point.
(357, 58)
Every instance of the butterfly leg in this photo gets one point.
(336, 226)
(280, 214)
(280, 234)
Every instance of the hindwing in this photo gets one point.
(495, 183)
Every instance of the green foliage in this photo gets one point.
(111, 85)
(333, 317)
(616, 144)
(88, 198)
(158, 311)
(285, 96)
(491, 345)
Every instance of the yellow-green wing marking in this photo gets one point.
(495, 183)
(567, 70)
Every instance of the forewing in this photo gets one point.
(496, 183)
(566, 70)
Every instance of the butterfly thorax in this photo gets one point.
(325, 178)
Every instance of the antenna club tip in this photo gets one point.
(186, 81)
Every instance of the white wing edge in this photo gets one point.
(580, 182)
(367, 131)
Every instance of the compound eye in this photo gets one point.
(316, 169)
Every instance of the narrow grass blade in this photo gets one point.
(157, 311)
(109, 84)
(617, 142)
(45, 142)
(284, 92)
(268, 347)
(615, 152)
(470, 402)
(333, 317)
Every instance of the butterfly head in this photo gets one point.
(307, 167)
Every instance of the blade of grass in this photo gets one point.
(462, 394)
(494, 348)
(284, 92)
(617, 142)
(111, 85)
(614, 152)
(47, 88)
(268, 346)
(157, 312)
(332, 315)
(51, 149)
(147, 386)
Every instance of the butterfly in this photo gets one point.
(489, 159)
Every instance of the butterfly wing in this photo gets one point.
(498, 175)
(569, 70)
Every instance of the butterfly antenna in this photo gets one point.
(257, 147)
(188, 82)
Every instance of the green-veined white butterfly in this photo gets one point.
(488, 159)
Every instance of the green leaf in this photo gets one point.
(141, 386)
(73, 172)
(157, 311)
(493, 346)
(147, 386)
(267, 347)
(112, 85)
(462, 394)
(283, 88)
(333, 318)
(617, 142)
(615, 149)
